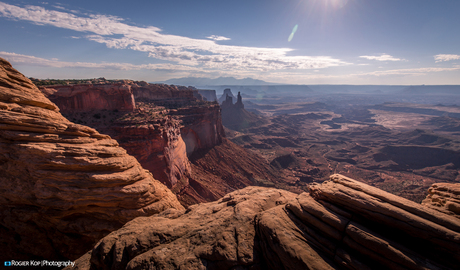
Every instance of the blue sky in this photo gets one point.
(335, 42)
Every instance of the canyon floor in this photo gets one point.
(402, 148)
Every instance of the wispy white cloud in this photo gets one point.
(214, 37)
(446, 57)
(382, 57)
(409, 71)
(205, 53)
(54, 62)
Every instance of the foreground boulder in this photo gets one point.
(340, 224)
(63, 186)
(444, 197)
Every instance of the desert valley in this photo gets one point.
(126, 174)
(264, 134)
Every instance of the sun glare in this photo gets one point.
(334, 4)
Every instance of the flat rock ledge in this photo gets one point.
(339, 224)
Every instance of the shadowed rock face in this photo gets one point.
(340, 224)
(63, 186)
(202, 127)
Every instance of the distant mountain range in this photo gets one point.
(194, 81)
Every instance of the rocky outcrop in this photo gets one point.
(444, 197)
(87, 97)
(217, 235)
(209, 95)
(117, 95)
(163, 94)
(235, 117)
(340, 224)
(228, 102)
(63, 186)
(157, 145)
(227, 92)
(202, 126)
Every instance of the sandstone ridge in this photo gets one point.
(339, 224)
(63, 185)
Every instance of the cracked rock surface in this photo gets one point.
(340, 224)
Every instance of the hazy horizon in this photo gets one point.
(327, 42)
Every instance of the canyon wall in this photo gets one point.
(201, 123)
(160, 143)
(163, 94)
(157, 145)
(202, 126)
(63, 186)
(172, 125)
(86, 97)
(209, 95)
(339, 224)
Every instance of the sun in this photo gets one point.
(331, 4)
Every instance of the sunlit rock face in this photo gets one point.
(63, 186)
(158, 147)
(339, 224)
(201, 125)
(444, 197)
(88, 97)
(161, 143)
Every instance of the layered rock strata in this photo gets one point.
(201, 126)
(63, 186)
(165, 95)
(157, 145)
(444, 197)
(340, 224)
(88, 97)
(170, 125)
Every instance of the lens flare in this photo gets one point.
(293, 32)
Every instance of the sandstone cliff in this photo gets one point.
(209, 95)
(88, 97)
(160, 142)
(169, 125)
(340, 224)
(202, 126)
(63, 186)
(444, 197)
